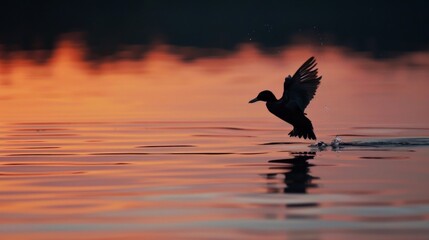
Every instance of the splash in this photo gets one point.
(337, 143)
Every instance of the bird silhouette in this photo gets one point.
(298, 91)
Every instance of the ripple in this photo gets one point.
(25, 141)
(64, 164)
(39, 154)
(119, 153)
(167, 146)
(281, 143)
(210, 128)
(40, 129)
(44, 135)
(359, 135)
(18, 174)
(377, 150)
(201, 153)
(392, 218)
(33, 148)
(394, 142)
(401, 128)
(303, 205)
(253, 153)
(166, 153)
(57, 123)
(222, 136)
(387, 157)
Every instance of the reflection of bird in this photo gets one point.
(297, 178)
(297, 94)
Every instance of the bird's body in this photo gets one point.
(302, 125)
(297, 94)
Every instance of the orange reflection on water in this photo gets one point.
(161, 86)
(101, 153)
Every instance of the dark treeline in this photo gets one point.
(383, 28)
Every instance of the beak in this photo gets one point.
(254, 100)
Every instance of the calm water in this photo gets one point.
(161, 148)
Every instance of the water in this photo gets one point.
(161, 148)
(196, 180)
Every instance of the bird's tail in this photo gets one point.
(303, 129)
(303, 132)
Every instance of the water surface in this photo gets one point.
(161, 148)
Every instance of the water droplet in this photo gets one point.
(336, 142)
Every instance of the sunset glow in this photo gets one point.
(162, 87)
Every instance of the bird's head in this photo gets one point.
(265, 96)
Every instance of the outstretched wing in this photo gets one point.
(302, 87)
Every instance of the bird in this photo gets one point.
(298, 91)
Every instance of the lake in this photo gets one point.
(163, 147)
